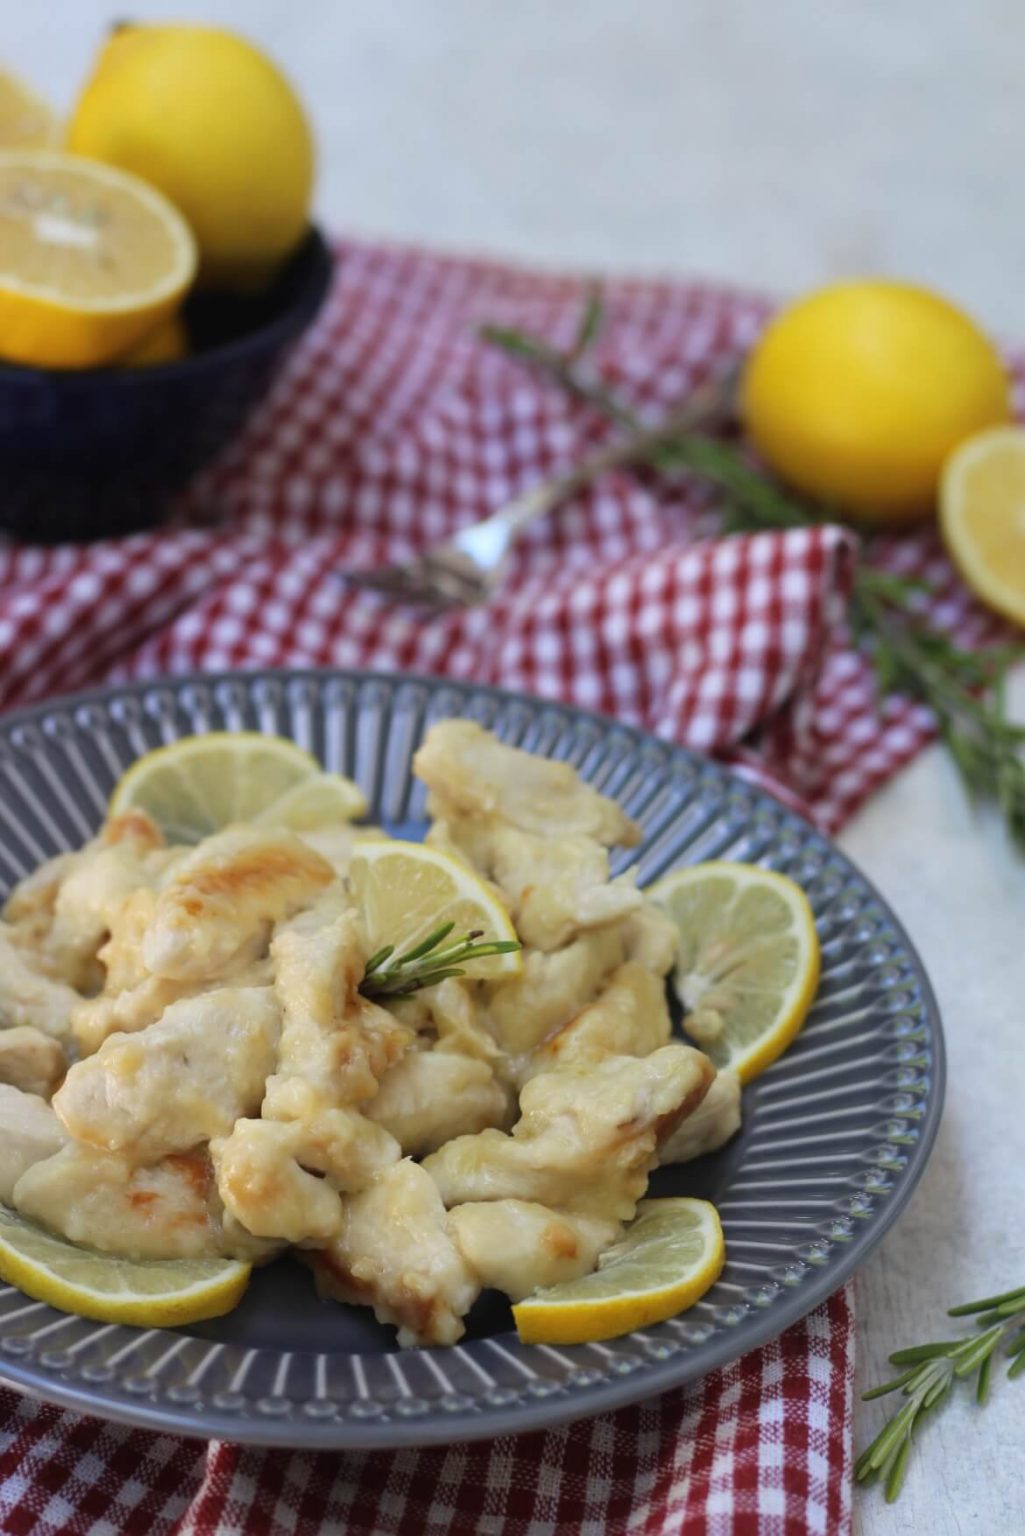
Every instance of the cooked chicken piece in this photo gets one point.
(651, 939)
(168, 1211)
(181, 1081)
(266, 1190)
(470, 773)
(629, 1018)
(517, 1247)
(587, 1137)
(395, 1253)
(28, 916)
(105, 875)
(30, 1060)
(332, 1038)
(555, 887)
(710, 1126)
(30, 999)
(552, 989)
(433, 1095)
(449, 1015)
(224, 896)
(29, 1133)
(265, 1168)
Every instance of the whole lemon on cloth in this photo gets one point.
(211, 121)
(857, 393)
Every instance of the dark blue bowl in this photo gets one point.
(90, 455)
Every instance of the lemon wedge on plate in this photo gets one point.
(149, 1293)
(406, 891)
(195, 786)
(982, 515)
(748, 960)
(91, 260)
(668, 1257)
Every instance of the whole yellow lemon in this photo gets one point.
(209, 120)
(857, 393)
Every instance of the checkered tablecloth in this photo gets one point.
(391, 427)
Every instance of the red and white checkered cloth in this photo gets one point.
(392, 426)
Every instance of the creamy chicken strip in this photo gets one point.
(395, 1253)
(650, 938)
(181, 1081)
(711, 1125)
(128, 855)
(517, 1246)
(224, 896)
(29, 1133)
(333, 1038)
(551, 990)
(628, 1018)
(587, 1136)
(103, 1200)
(31, 1060)
(433, 1095)
(28, 998)
(266, 1170)
(471, 773)
(555, 887)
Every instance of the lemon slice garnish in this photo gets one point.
(200, 784)
(406, 891)
(748, 960)
(150, 1293)
(669, 1256)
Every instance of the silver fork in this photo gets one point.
(467, 568)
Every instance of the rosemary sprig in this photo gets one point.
(929, 1372)
(387, 974)
(963, 689)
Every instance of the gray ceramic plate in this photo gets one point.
(835, 1135)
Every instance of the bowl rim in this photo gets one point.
(314, 248)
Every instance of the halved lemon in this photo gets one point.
(982, 515)
(26, 121)
(406, 890)
(199, 784)
(668, 1257)
(91, 260)
(150, 1293)
(748, 960)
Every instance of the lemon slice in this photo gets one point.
(982, 515)
(151, 1293)
(406, 890)
(26, 121)
(747, 963)
(91, 260)
(199, 784)
(668, 1257)
(317, 802)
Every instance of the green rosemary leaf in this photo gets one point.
(898, 1470)
(921, 1352)
(982, 1385)
(376, 961)
(426, 945)
(968, 1307)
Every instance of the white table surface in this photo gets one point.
(774, 145)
